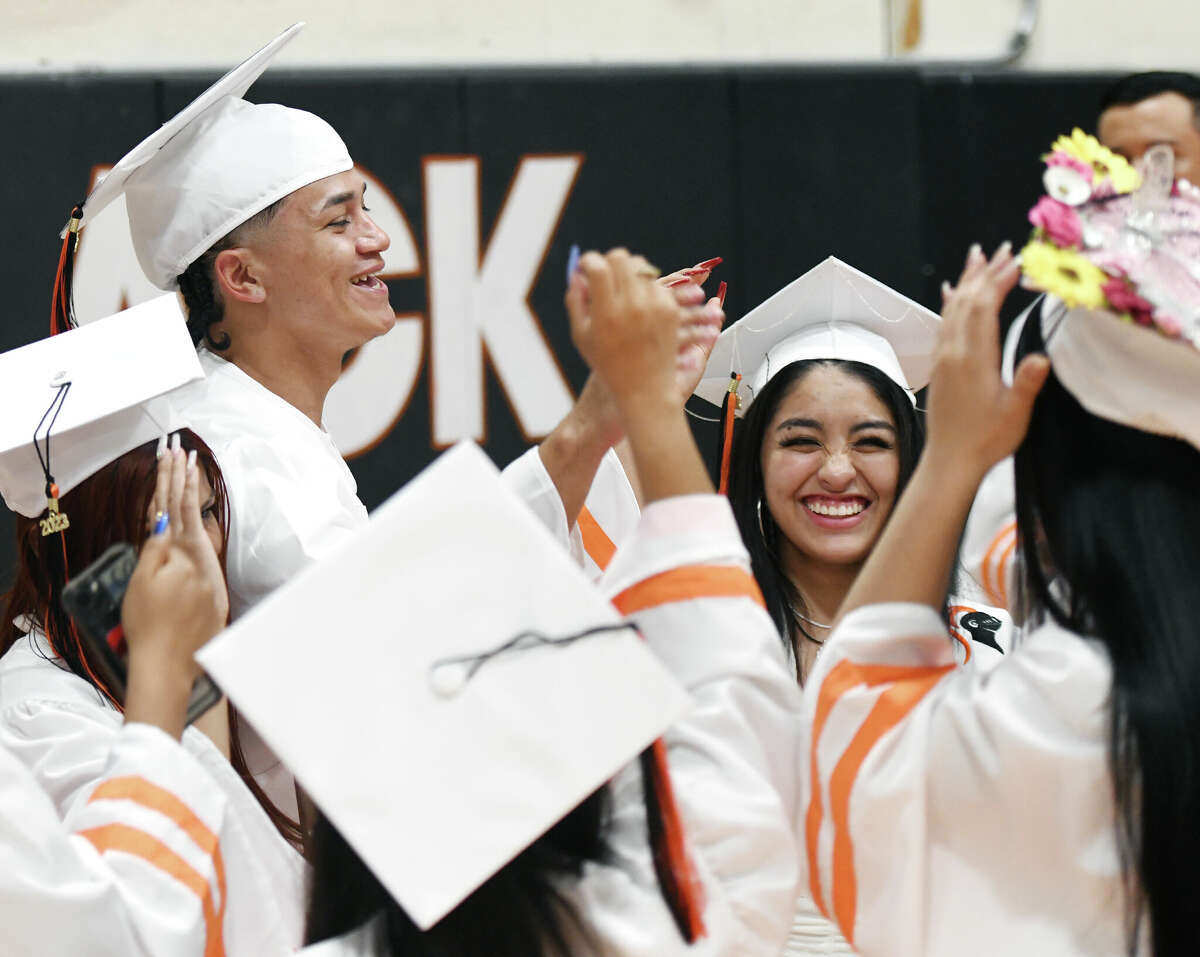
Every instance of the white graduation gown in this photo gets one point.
(292, 498)
(982, 634)
(684, 578)
(608, 518)
(951, 811)
(69, 739)
(133, 872)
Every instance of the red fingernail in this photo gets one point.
(721, 293)
(678, 282)
(709, 264)
(695, 271)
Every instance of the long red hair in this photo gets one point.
(110, 506)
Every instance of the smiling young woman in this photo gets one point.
(824, 452)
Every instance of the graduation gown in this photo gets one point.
(292, 498)
(981, 634)
(249, 895)
(684, 578)
(134, 871)
(953, 812)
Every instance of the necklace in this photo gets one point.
(815, 624)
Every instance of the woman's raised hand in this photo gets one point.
(698, 333)
(637, 334)
(177, 598)
(975, 419)
(628, 328)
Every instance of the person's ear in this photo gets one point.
(237, 275)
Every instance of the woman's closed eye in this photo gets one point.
(802, 442)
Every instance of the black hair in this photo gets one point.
(1116, 518)
(198, 283)
(746, 487)
(521, 911)
(1141, 86)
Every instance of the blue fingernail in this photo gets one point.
(572, 262)
(160, 524)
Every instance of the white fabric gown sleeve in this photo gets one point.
(609, 515)
(54, 724)
(988, 553)
(951, 811)
(134, 870)
(684, 579)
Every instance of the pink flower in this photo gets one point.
(1063, 158)
(1060, 222)
(1124, 298)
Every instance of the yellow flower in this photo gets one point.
(1106, 163)
(1061, 272)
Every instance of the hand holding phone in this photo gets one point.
(146, 616)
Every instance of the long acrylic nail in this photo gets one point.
(191, 461)
(678, 282)
(946, 290)
(162, 446)
(721, 293)
(709, 264)
(1005, 248)
(176, 442)
(975, 252)
(572, 261)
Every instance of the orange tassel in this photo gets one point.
(730, 413)
(681, 887)
(61, 309)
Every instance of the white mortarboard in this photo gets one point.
(352, 673)
(119, 372)
(833, 311)
(213, 166)
(1120, 371)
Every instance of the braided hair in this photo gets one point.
(198, 283)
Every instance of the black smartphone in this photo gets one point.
(93, 600)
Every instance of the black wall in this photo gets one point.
(893, 171)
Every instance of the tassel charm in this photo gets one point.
(55, 521)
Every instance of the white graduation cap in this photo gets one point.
(833, 311)
(1120, 371)
(91, 394)
(213, 166)
(392, 678)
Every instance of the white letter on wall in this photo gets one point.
(472, 305)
